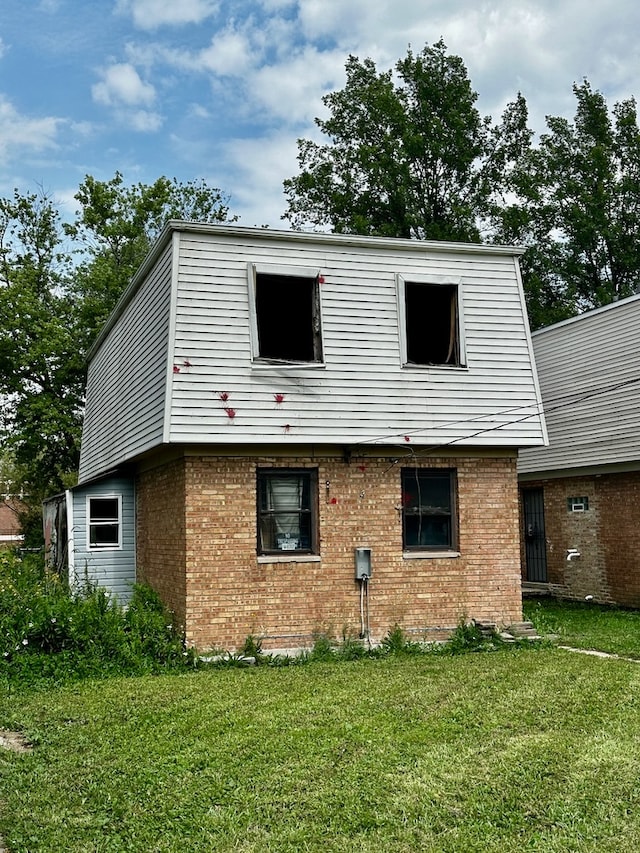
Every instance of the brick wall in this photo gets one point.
(607, 536)
(619, 510)
(231, 593)
(161, 534)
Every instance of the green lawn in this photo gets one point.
(587, 626)
(512, 750)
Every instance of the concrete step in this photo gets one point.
(523, 631)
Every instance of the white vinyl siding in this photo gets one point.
(126, 383)
(361, 393)
(588, 370)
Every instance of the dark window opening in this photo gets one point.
(428, 509)
(104, 522)
(288, 318)
(287, 511)
(431, 314)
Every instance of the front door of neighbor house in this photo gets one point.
(535, 541)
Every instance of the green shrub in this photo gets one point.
(396, 643)
(48, 631)
(469, 638)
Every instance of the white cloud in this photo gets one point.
(198, 111)
(291, 91)
(122, 89)
(20, 133)
(257, 168)
(230, 54)
(334, 17)
(151, 14)
(143, 121)
(84, 129)
(121, 84)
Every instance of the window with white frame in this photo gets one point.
(285, 308)
(431, 322)
(104, 521)
(287, 511)
(429, 517)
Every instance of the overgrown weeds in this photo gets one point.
(50, 632)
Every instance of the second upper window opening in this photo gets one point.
(432, 324)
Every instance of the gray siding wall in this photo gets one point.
(362, 393)
(114, 569)
(588, 370)
(127, 379)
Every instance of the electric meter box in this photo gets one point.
(363, 563)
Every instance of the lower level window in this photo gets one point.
(428, 509)
(104, 521)
(287, 501)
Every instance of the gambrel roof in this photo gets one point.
(183, 359)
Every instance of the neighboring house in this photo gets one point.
(581, 494)
(10, 530)
(263, 405)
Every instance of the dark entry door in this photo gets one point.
(535, 543)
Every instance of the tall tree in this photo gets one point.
(40, 365)
(411, 158)
(579, 209)
(116, 225)
(53, 302)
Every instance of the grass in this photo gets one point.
(587, 625)
(519, 749)
(524, 748)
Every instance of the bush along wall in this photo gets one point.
(48, 631)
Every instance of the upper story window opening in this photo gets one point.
(431, 331)
(286, 312)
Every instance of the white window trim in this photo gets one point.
(100, 548)
(410, 278)
(283, 270)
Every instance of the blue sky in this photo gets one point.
(222, 89)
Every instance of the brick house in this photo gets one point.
(10, 530)
(281, 427)
(580, 495)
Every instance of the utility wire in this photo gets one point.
(555, 404)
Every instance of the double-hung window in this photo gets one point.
(431, 328)
(104, 521)
(429, 520)
(285, 314)
(287, 511)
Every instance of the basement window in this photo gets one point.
(287, 511)
(431, 329)
(429, 521)
(286, 314)
(104, 516)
